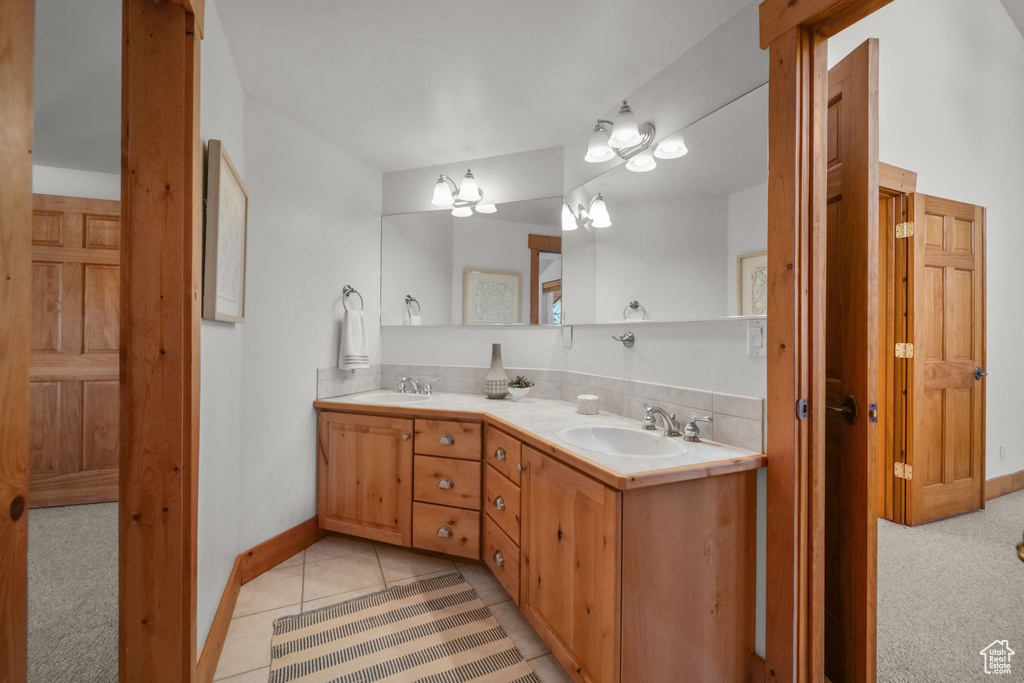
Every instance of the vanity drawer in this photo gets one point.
(449, 439)
(501, 501)
(504, 453)
(502, 556)
(447, 481)
(462, 537)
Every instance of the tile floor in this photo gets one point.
(337, 568)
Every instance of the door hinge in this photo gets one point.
(904, 230)
(903, 471)
(905, 350)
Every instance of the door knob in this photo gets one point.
(978, 374)
(499, 503)
(444, 532)
(499, 559)
(446, 440)
(445, 483)
(848, 410)
(499, 454)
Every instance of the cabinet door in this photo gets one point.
(570, 573)
(364, 483)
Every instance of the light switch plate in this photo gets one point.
(755, 338)
(567, 336)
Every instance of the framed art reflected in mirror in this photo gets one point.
(752, 283)
(491, 297)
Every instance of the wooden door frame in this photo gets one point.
(160, 299)
(796, 34)
(539, 244)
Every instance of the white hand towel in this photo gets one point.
(415, 320)
(355, 350)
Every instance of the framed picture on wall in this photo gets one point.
(752, 283)
(227, 226)
(491, 296)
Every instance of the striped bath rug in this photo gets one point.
(433, 631)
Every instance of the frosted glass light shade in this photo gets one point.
(599, 213)
(469, 191)
(597, 148)
(442, 194)
(642, 162)
(625, 132)
(568, 220)
(486, 208)
(671, 148)
(462, 211)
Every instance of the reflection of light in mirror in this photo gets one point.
(597, 148)
(469, 191)
(625, 132)
(486, 208)
(568, 218)
(442, 193)
(462, 211)
(671, 148)
(642, 162)
(599, 213)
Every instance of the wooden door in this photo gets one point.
(74, 395)
(946, 443)
(851, 367)
(365, 477)
(570, 575)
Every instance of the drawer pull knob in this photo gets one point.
(499, 559)
(405, 437)
(444, 532)
(499, 503)
(499, 454)
(520, 468)
(446, 483)
(446, 440)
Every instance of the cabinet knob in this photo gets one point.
(499, 454)
(446, 440)
(445, 483)
(520, 468)
(499, 503)
(405, 437)
(499, 559)
(444, 532)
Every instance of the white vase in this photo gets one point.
(496, 381)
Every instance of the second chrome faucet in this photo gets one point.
(691, 432)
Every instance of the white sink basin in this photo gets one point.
(623, 441)
(391, 398)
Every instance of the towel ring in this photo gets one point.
(348, 289)
(409, 301)
(634, 304)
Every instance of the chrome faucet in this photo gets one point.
(649, 422)
(428, 389)
(691, 432)
(401, 385)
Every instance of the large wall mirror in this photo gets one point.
(686, 239)
(501, 268)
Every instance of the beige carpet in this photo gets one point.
(72, 594)
(948, 589)
(430, 631)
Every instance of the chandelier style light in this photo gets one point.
(630, 142)
(463, 199)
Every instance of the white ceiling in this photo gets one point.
(728, 152)
(78, 85)
(406, 83)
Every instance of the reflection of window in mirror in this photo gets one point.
(545, 279)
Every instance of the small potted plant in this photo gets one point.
(519, 387)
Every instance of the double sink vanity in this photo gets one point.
(630, 552)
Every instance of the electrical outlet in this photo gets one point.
(1002, 454)
(567, 336)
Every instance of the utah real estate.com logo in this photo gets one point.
(997, 657)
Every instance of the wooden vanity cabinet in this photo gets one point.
(364, 482)
(570, 576)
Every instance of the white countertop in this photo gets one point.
(545, 418)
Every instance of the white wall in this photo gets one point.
(747, 233)
(667, 255)
(314, 226)
(220, 492)
(951, 93)
(74, 183)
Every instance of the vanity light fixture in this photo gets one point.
(642, 162)
(622, 137)
(463, 199)
(596, 215)
(671, 148)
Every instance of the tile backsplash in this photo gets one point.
(738, 420)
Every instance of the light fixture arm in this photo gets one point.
(647, 132)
